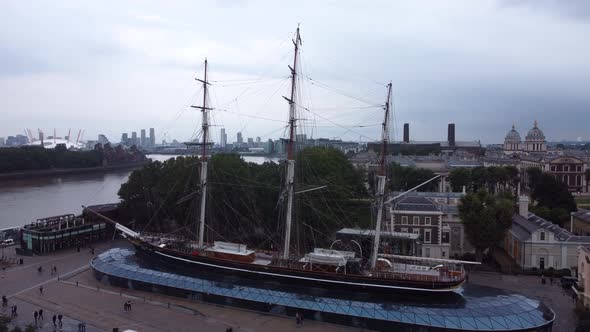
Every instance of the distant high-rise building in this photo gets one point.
(21, 140)
(124, 139)
(2, 141)
(258, 139)
(239, 138)
(223, 138)
(102, 139)
(152, 137)
(133, 138)
(250, 142)
(143, 142)
(269, 147)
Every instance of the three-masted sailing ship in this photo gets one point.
(325, 268)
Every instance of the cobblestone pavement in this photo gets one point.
(558, 299)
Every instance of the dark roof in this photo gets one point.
(415, 203)
(583, 215)
(524, 227)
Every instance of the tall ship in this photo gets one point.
(326, 268)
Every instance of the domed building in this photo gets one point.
(535, 140)
(512, 142)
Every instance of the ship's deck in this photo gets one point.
(473, 308)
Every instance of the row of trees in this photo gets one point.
(246, 200)
(493, 179)
(38, 158)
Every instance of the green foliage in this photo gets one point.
(459, 178)
(550, 193)
(245, 202)
(493, 179)
(556, 215)
(404, 178)
(36, 158)
(486, 218)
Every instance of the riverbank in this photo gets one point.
(70, 171)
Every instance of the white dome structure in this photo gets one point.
(51, 143)
(512, 141)
(535, 140)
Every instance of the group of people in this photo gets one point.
(38, 316)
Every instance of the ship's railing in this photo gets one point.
(444, 276)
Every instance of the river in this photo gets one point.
(24, 200)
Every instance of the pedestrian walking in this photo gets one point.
(59, 322)
(41, 290)
(14, 312)
(551, 281)
(36, 314)
(298, 319)
(125, 306)
(4, 301)
(54, 318)
(41, 314)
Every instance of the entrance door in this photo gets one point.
(542, 263)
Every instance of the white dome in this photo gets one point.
(513, 136)
(535, 134)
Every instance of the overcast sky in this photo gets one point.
(117, 66)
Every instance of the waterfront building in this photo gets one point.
(250, 142)
(2, 141)
(269, 147)
(60, 232)
(239, 138)
(143, 139)
(152, 142)
(533, 242)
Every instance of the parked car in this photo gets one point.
(7, 242)
(568, 282)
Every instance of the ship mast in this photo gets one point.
(205, 128)
(381, 179)
(290, 143)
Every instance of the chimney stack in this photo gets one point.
(451, 134)
(406, 133)
(523, 206)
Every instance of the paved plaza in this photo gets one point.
(79, 297)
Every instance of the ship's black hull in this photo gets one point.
(252, 272)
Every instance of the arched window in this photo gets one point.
(566, 179)
(578, 180)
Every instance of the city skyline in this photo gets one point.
(480, 65)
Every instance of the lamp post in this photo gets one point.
(572, 222)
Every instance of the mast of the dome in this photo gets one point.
(381, 179)
(290, 143)
(205, 128)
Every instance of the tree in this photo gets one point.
(459, 178)
(404, 178)
(486, 218)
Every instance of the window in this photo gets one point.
(404, 220)
(445, 237)
(456, 230)
(404, 229)
(566, 179)
(427, 252)
(566, 168)
(553, 168)
(427, 221)
(578, 168)
(416, 220)
(444, 253)
(416, 230)
(426, 236)
(542, 236)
